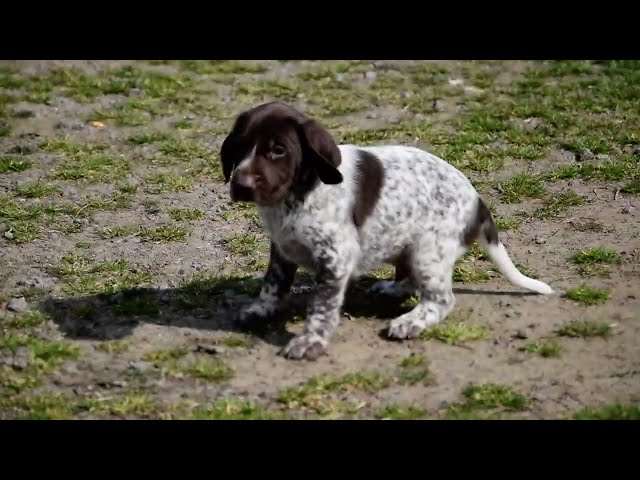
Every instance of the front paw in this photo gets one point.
(306, 346)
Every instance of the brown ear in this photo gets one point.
(323, 152)
(232, 149)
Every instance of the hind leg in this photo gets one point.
(402, 284)
(433, 273)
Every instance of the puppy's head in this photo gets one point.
(273, 149)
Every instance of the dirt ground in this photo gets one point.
(122, 259)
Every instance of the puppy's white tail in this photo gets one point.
(483, 229)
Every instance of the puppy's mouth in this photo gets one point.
(240, 193)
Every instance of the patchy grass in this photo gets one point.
(544, 348)
(162, 233)
(14, 164)
(234, 341)
(594, 255)
(201, 290)
(186, 150)
(314, 395)
(585, 329)
(148, 138)
(588, 295)
(41, 407)
(162, 356)
(26, 320)
(93, 168)
(165, 182)
(186, 214)
(488, 396)
(36, 189)
(83, 276)
(113, 347)
(231, 409)
(521, 186)
(504, 224)
(400, 412)
(203, 368)
(244, 244)
(464, 274)
(414, 369)
(454, 332)
(609, 412)
(631, 188)
(132, 405)
(557, 204)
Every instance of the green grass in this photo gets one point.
(93, 168)
(163, 356)
(162, 233)
(41, 407)
(414, 369)
(26, 320)
(148, 138)
(464, 274)
(521, 186)
(128, 115)
(487, 396)
(36, 189)
(315, 394)
(230, 409)
(113, 347)
(10, 164)
(243, 244)
(631, 188)
(504, 224)
(204, 368)
(609, 412)
(48, 352)
(186, 214)
(400, 412)
(202, 289)
(544, 348)
(165, 182)
(83, 276)
(234, 341)
(185, 150)
(454, 332)
(585, 329)
(557, 204)
(590, 256)
(588, 295)
(131, 405)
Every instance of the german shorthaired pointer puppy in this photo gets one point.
(340, 211)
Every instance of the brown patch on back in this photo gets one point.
(481, 223)
(369, 180)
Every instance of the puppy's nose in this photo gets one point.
(245, 180)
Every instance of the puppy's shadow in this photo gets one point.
(210, 304)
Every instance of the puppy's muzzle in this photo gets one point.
(242, 187)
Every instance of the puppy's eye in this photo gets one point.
(278, 150)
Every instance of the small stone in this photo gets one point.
(370, 75)
(541, 240)
(119, 383)
(473, 90)
(17, 305)
(339, 77)
(456, 81)
(8, 235)
(372, 115)
(522, 334)
(21, 358)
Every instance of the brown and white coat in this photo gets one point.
(342, 210)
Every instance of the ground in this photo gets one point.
(123, 259)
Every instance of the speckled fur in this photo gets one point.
(423, 211)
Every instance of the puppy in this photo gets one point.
(342, 210)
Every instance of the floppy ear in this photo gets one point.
(322, 152)
(231, 150)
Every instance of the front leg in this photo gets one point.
(275, 288)
(323, 312)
